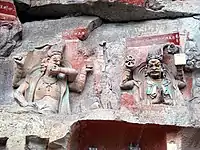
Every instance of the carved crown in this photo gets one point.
(154, 55)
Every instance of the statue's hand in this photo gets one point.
(55, 69)
(20, 99)
(32, 104)
(19, 60)
(24, 104)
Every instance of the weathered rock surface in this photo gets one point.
(51, 31)
(17, 124)
(10, 28)
(6, 76)
(114, 11)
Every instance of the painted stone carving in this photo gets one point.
(46, 85)
(10, 28)
(153, 82)
(193, 54)
(196, 84)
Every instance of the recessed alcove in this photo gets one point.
(35, 142)
(3, 142)
(115, 135)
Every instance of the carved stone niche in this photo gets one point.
(159, 78)
(3, 142)
(36, 143)
(44, 78)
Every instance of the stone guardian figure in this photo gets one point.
(152, 81)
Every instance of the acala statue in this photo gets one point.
(155, 84)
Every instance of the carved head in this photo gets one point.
(53, 57)
(154, 66)
(54, 54)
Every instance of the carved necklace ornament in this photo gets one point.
(49, 82)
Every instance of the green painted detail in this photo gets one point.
(65, 100)
(153, 86)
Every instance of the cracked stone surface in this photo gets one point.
(10, 28)
(50, 31)
(114, 11)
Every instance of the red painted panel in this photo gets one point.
(74, 57)
(7, 8)
(75, 34)
(113, 135)
(127, 100)
(135, 2)
(6, 17)
(155, 39)
(187, 91)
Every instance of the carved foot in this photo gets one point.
(95, 105)
(169, 102)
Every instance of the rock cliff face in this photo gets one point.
(10, 28)
(112, 11)
(102, 33)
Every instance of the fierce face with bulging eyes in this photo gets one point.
(155, 68)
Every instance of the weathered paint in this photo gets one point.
(187, 91)
(127, 100)
(7, 8)
(80, 33)
(134, 2)
(155, 39)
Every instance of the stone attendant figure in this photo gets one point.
(46, 87)
(153, 81)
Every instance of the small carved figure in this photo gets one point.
(134, 147)
(46, 87)
(155, 84)
(153, 4)
(196, 85)
(193, 54)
